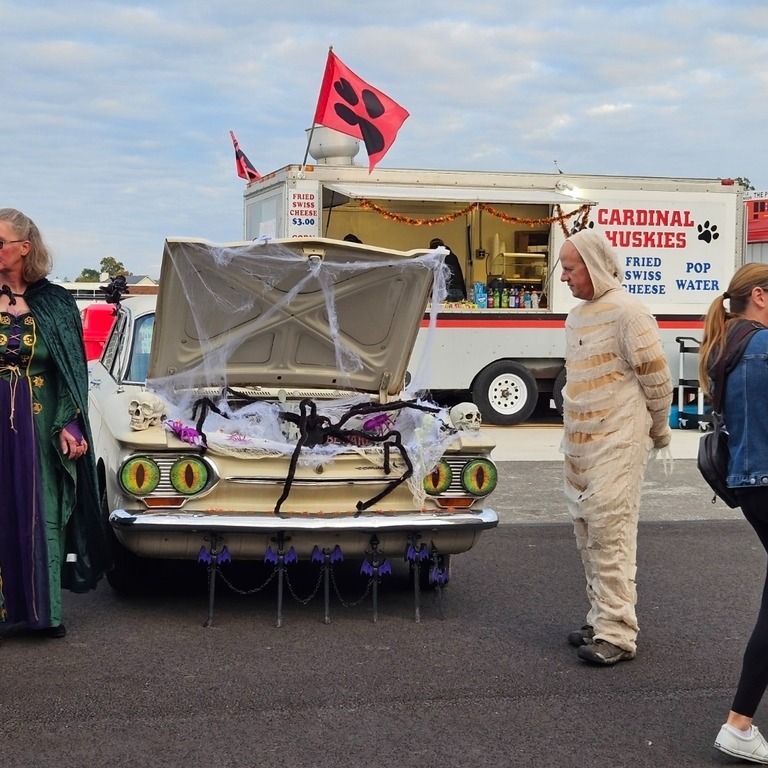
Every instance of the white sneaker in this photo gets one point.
(752, 747)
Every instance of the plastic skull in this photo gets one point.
(466, 417)
(146, 411)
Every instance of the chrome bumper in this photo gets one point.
(365, 522)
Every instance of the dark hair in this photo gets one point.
(350, 238)
(436, 242)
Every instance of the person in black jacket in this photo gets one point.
(457, 290)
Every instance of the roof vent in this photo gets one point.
(329, 147)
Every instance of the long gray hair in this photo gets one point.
(38, 262)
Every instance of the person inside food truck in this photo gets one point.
(457, 290)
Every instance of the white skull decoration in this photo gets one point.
(146, 411)
(465, 417)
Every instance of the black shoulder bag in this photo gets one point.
(712, 459)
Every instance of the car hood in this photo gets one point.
(309, 313)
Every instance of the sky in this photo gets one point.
(115, 116)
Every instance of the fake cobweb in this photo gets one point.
(280, 341)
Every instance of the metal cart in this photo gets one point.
(692, 413)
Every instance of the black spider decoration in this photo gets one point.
(316, 430)
(115, 290)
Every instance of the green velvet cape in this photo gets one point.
(58, 319)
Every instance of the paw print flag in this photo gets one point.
(351, 106)
(243, 165)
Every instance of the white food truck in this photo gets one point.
(680, 240)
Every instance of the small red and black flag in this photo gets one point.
(243, 165)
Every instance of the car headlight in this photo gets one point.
(458, 481)
(140, 476)
(189, 475)
(439, 479)
(167, 480)
(479, 477)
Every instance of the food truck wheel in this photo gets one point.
(505, 392)
(557, 391)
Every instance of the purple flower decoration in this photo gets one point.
(184, 433)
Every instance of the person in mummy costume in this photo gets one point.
(616, 405)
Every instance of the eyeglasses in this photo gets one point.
(3, 243)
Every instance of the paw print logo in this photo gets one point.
(360, 110)
(708, 232)
(578, 226)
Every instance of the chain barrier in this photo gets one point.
(253, 591)
(351, 603)
(304, 600)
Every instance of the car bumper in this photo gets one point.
(122, 520)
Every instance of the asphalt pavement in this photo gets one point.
(485, 678)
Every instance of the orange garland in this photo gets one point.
(561, 217)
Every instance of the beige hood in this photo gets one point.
(601, 260)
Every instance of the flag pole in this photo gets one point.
(311, 130)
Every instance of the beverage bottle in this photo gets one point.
(490, 300)
(534, 300)
(504, 298)
(527, 298)
(496, 298)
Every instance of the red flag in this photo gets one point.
(351, 106)
(243, 165)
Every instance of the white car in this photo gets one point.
(256, 411)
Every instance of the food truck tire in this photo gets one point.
(557, 391)
(505, 392)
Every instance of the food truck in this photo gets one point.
(679, 241)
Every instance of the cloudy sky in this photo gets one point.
(115, 116)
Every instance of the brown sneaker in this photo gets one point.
(603, 652)
(581, 636)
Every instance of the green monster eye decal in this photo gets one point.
(439, 479)
(140, 476)
(479, 477)
(189, 475)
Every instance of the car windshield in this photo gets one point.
(140, 348)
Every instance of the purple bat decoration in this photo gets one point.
(224, 556)
(413, 554)
(291, 557)
(439, 575)
(384, 569)
(270, 556)
(337, 556)
(204, 556)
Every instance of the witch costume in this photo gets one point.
(51, 534)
